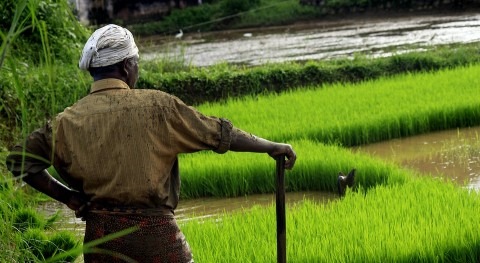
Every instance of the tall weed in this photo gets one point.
(28, 78)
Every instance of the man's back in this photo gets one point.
(121, 144)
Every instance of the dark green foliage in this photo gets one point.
(179, 19)
(226, 14)
(231, 8)
(60, 242)
(33, 241)
(7, 9)
(201, 18)
(26, 218)
(39, 246)
(46, 22)
(5, 185)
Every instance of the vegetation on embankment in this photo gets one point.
(38, 57)
(26, 235)
(36, 45)
(198, 85)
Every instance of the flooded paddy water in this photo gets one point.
(452, 154)
(374, 37)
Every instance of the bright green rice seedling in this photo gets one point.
(422, 220)
(348, 114)
(317, 167)
(354, 114)
(391, 216)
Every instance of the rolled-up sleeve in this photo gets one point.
(226, 136)
(33, 155)
(193, 131)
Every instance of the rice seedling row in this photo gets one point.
(339, 114)
(353, 114)
(418, 220)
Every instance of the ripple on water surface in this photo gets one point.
(321, 40)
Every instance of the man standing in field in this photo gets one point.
(117, 149)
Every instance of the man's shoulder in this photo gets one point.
(153, 95)
(153, 92)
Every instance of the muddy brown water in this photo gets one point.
(198, 209)
(317, 40)
(452, 154)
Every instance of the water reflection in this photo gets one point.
(452, 154)
(208, 207)
(320, 40)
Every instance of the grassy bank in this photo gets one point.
(226, 14)
(36, 45)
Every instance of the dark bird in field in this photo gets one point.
(344, 181)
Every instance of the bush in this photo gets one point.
(27, 218)
(60, 242)
(38, 246)
(39, 27)
(232, 7)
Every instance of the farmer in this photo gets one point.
(116, 153)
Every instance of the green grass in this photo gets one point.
(354, 114)
(317, 167)
(346, 114)
(277, 12)
(28, 83)
(422, 220)
(391, 216)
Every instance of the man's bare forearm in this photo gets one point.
(245, 142)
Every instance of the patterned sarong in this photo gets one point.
(157, 239)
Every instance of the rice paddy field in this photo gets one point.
(392, 215)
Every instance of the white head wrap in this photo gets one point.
(106, 46)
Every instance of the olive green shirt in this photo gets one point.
(119, 145)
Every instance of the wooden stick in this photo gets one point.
(280, 205)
